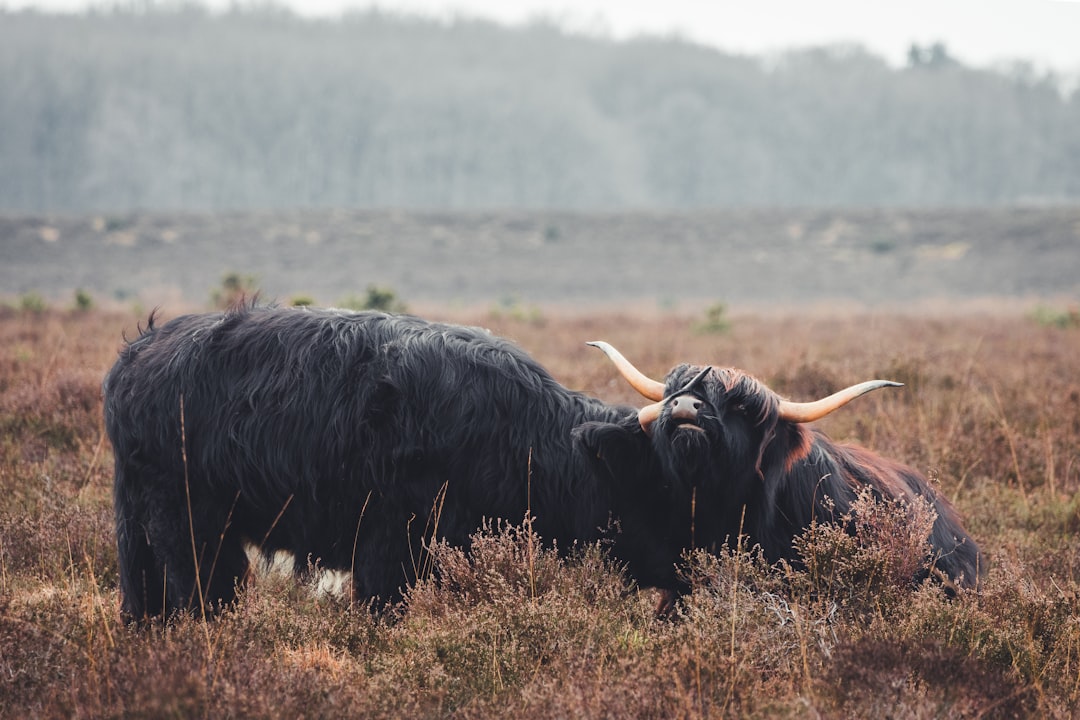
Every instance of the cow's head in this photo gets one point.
(719, 427)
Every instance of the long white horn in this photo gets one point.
(808, 412)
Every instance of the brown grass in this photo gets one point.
(991, 410)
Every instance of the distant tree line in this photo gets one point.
(172, 107)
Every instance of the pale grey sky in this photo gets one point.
(979, 32)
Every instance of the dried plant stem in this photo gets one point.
(277, 519)
(1051, 469)
(427, 562)
(3, 569)
(1010, 439)
(355, 543)
(93, 461)
(191, 530)
(496, 671)
(221, 536)
(529, 530)
(734, 611)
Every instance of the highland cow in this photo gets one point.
(737, 460)
(350, 439)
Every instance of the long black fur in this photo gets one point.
(351, 439)
(751, 472)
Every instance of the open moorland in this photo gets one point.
(990, 410)
(879, 258)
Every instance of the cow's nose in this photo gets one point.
(685, 408)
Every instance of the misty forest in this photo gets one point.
(172, 107)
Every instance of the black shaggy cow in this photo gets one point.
(350, 438)
(740, 459)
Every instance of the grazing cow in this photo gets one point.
(740, 458)
(351, 439)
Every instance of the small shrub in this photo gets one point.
(235, 288)
(32, 302)
(715, 321)
(301, 301)
(83, 300)
(377, 297)
(115, 223)
(383, 298)
(1047, 316)
(873, 554)
(505, 564)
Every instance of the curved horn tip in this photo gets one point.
(652, 389)
(799, 412)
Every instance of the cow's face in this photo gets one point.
(711, 427)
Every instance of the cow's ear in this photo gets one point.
(617, 452)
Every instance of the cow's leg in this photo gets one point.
(201, 553)
(388, 555)
(224, 564)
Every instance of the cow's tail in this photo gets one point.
(142, 585)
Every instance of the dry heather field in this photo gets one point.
(990, 410)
